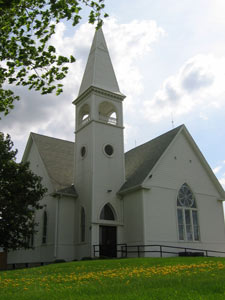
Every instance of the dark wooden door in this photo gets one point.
(107, 241)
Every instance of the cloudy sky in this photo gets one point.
(169, 59)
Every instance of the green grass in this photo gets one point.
(141, 278)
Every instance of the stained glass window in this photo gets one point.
(187, 215)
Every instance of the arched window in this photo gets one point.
(107, 113)
(187, 215)
(82, 225)
(107, 213)
(31, 240)
(84, 115)
(44, 232)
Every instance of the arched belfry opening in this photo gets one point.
(84, 115)
(108, 113)
(108, 213)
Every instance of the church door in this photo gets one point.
(107, 241)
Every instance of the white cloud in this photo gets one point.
(130, 135)
(217, 169)
(203, 116)
(217, 11)
(222, 181)
(198, 86)
(129, 43)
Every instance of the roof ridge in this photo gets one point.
(157, 137)
(50, 137)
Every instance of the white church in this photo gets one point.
(106, 203)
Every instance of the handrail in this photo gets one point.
(163, 249)
(176, 247)
(117, 250)
(110, 120)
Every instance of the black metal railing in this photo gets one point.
(120, 250)
(124, 250)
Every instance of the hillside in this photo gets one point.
(141, 278)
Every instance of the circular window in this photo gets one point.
(185, 196)
(83, 151)
(108, 150)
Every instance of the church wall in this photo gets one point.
(41, 253)
(211, 219)
(180, 165)
(159, 213)
(134, 218)
(66, 228)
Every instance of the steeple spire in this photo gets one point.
(99, 70)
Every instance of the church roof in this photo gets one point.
(140, 160)
(58, 158)
(68, 191)
(99, 70)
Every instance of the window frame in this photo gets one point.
(82, 225)
(44, 228)
(191, 235)
(112, 149)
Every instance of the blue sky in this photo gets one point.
(169, 59)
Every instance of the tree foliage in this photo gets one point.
(27, 58)
(20, 194)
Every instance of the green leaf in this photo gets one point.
(72, 59)
(26, 30)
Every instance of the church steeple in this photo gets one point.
(99, 70)
(99, 155)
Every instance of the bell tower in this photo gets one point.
(99, 151)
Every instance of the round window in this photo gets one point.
(108, 150)
(83, 151)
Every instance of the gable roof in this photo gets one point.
(140, 160)
(68, 191)
(58, 158)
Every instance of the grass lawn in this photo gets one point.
(141, 278)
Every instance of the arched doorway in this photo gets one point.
(107, 233)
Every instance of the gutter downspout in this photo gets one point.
(56, 225)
